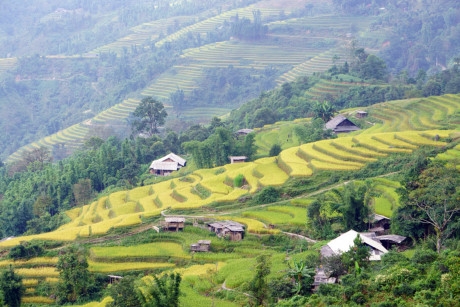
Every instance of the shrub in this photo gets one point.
(238, 181)
(274, 150)
(267, 195)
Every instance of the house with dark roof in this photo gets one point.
(341, 124)
(244, 132)
(167, 164)
(231, 229)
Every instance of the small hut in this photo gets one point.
(174, 223)
(114, 279)
(201, 246)
(380, 224)
(321, 278)
(237, 159)
(243, 132)
(361, 114)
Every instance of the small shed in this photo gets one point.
(380, 224)
(201, 246)
(230, 229)
(341, 124)
(167, 164)
(321, 278)
(174, 223)
(389, 241)
(114, 279)
(237, 159)
(361, 114)
(243, 132)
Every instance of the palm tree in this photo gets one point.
(302, 276)
(324, 110)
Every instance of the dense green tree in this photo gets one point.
(357, 257)
(74, 277)
(353, 203)
(162, 291)
(11, 288)
(433, 199)
(124, 293)
(259, 283)
(274, 150)
(148, 116)
(323, 110)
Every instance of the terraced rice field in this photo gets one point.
(417, 114)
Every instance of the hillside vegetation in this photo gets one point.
(208, 194)
(199, 59)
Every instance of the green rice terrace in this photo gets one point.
(294, 46)
(118, 227)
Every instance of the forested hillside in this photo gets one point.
(93, 91)
(66, 62)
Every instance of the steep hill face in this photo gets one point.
(63, 63)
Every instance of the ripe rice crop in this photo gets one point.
(51, 280)
(347, 144)
(213, 257)
(415, 138)
(103, 267)
(27, 282)
(216, 184)
(103, 303)
(104, 226)
(37, 272)
(368, 142)
(150, 250)
(309, 152)
(125, 208)
(271, 174)
(138, 193)
(232, 196)
(73, 213)
(297, 165)
(37, 300)
(118, 198)
(129, 220)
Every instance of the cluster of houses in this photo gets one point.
(164, 166)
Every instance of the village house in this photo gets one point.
(174, 223)
(361, 114)
(201, 246)
(380, 224)
(243, 132)
(345, 242)
(321, 278)
(230, 229)
(237, 159)
(167, 164)
(340, 124)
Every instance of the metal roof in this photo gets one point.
(176, 161)
(344, 242)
